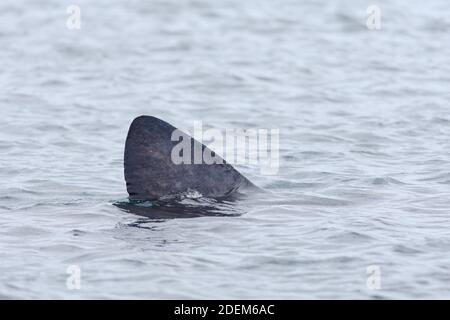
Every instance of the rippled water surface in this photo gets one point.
(364, 130)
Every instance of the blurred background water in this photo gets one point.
(364, 123)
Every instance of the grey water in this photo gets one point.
(364, 176)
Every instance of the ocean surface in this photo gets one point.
(360, 207)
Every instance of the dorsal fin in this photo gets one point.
(150, 172)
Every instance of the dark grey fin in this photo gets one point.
(151, 174)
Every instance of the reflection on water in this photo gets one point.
(181, 208)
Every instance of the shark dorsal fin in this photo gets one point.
(151, 173)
